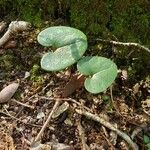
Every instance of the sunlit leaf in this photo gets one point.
(101, 71)
(70, 45)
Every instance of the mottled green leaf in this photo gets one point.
(102, 72)
(146, 139)
(70, 46)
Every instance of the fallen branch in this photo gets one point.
(47, 121)
(137, 45)
(14, 27)
(110, 126)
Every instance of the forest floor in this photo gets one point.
(125, 105)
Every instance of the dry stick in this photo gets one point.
(14, 27)
(47, 121)
(125, 44)
(82, 136)
(112, 101)
(8, 114)
(25, 105)
(66, 99)
(109, 143)
(110, 126)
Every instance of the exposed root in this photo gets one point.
(110, 126)
(14, 27)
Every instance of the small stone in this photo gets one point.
(49, 93)
(27, 74)
(40, 115)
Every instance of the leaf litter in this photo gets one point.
(26, 122)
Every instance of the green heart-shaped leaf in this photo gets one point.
(102, 72)
(70, 46)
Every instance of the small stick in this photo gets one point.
(82, 136)
(110, 126)
(47, 121)
(109, 143)
(137, 45)
(8, 114)
(112, 101)
(25, 105)
(66, 99)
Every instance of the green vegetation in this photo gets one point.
(147, 141)
(126, 20)
(71, 45)
(36, 77)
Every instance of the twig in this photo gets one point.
(66, 99)
(110, 126)
(14, 27)
(137, 45)
(109, 143)
(25, 105)
(112, 101)
(137, 130)
(47, 121)
(82, 136)
(8, 114)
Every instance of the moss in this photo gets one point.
(36, 77)
(33, 11)
(133, 23)
(91, 17)
(35, 70)
(7, 62)
(125, 19)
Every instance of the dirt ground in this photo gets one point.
(125, 105)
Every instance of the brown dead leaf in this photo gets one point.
(75, 83)
(10, 44)
(6, 142)
(8, 92)
(146, 106)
